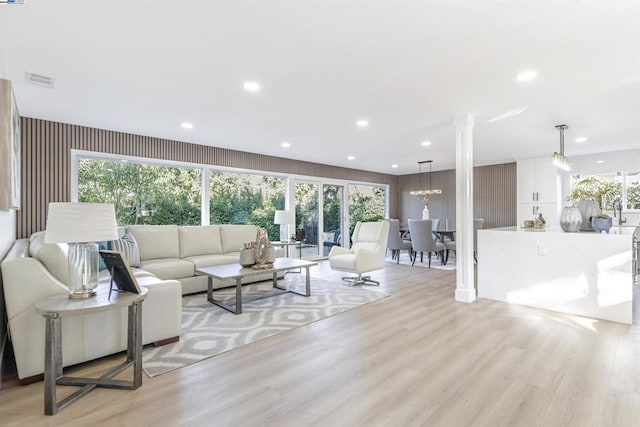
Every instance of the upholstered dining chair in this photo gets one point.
(369, 245)
(396, 243)
(434, 226)
(422, 239)
(450, 245)
(478, 224)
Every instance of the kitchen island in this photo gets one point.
(584, 273)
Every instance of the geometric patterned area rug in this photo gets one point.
(435, 262)
(208, 330)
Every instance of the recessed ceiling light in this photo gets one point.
(285, 145)
(581, 139)
(362, 123)
(394, 166)
(599, 161)
(186, 125)
(251, 86)
(351, 158)
(426, 143)
(527, 76)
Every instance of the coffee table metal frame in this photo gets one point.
(237, 272)
(54, 309)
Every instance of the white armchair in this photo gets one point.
(369, 244)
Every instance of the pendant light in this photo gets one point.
(559, 160)
(426, 194)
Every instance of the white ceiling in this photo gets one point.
(408, 67)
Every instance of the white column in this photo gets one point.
(465, 289)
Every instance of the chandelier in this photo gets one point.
(426, 194)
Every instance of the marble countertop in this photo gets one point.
(616, 230)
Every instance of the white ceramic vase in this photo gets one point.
(571, 219)
(425, 212)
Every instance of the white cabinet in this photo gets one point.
(539, 190)
(538, 181)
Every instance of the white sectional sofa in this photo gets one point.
(34, 270)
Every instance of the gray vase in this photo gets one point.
(588, 208)
(571, 219)
(601, 224)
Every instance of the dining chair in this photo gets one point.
(434, 226)
(478, 224)
(449, 245)
(422, 239)
(396, 243)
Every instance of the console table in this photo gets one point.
(54, 309)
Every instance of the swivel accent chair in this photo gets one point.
(366, 254)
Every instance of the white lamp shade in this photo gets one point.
(283, 217)
(80, 222)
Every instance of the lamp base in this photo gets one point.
(82, 295)
(284, 231)
(83, 270)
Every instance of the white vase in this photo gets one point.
(425, 212)
(571, 219)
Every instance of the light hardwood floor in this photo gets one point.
(416, 358)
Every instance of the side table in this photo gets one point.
(54, 309)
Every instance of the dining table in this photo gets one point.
(442, 232)
(445, 232)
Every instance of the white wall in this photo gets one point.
(628, 160)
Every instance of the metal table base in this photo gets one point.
(237, 307)
(53, 362)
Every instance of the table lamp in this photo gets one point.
(81, 225)
(283, 219)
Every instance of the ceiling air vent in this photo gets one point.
(39, 80)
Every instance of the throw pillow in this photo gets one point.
(128, 245)
(101, 246)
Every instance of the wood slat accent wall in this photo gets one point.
(46, 163)
(494, 195)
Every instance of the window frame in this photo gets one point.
(617, 173)
(206, 169)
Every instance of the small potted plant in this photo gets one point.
(601, 223)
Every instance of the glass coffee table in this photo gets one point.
(237, 272)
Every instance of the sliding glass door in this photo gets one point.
(307, 202)
(332, 217)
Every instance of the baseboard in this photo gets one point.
(32, 379)
(166, 341)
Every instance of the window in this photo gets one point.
(146, 191)
(366, 203)
(632, 186)
(612, 190)
(237, 198)
(142, 193)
